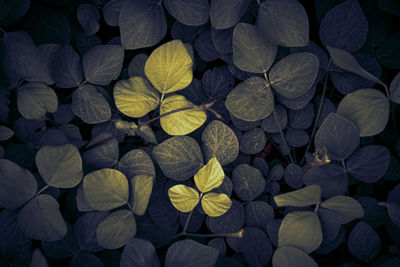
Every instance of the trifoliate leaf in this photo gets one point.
(184, 198)
(209, 176)
(215, 204)
(142, 185)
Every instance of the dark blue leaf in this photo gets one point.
(22, 154)
(222, 40)
(66, 68)
(302, 118)
(277, 172)
(253, 141)
(394, 195)
(344, 27)
(191, 13)
(374, 214)
(102, 156)
(363, 242)
(296, 138)
(84, 231)
(61, 249)
(294, 176)
(269, 125)
(380, 25)
(195, 221)
(136, 66)
(232, 221)
(164, 215)
(12, 237)
(73, 134)
(388, 52)
(391, 6)
(242, 124)
(218, 243)
(298, 102)
(148, 230)
(261, 165)
(327, 108)
(83, 42)
(225, 188)
(89, 18)
(38, 260)
(248, 182)
(228, 261)
(190, 253)
(332, 179)
(64, 114)
(139, 252)
(226, 13)
(53, 137)
(369, 164)
(258, 214)
(84, 259)
(188, 34)
(218, 82)
(326, 248)
(194, 92)
(146, 28)
(111, 12)
(205, 48)
(330, 224)
(12, 11)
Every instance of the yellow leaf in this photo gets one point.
(209, 176)
(135, 97)
(169, 67)
(184, 198)
(215, 204)
(181, 122)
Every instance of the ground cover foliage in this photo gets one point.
(199, 133)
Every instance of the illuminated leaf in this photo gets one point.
(181, 122)
(348, 207)
(142, 185)
(215, 204)
(291, 256)
(135, 97)
(209, 176)
(306, 196)
(169, 67)
(184, 198)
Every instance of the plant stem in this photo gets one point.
(129, 206)
(282, 136)
(343, 165)
(41, 190)
(165, 114)
(187, 222)
(103, 141)
(321, 103)
(238, 234)
(317, 207)
(387, 91)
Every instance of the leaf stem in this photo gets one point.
(129, 206)
(321, 104)
(184, 232)
(165, 114)
(387, 91)
(238, 234)
(317, 206)
(343, 164)
(41, 190)
(282, 136)
(102, 141)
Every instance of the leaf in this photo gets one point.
(146, 28)
(388, 52)
(306, 196)
(164, 215)
(5, 133)
(339, 135)
(184, 198)
(139, 252)
(41, 219)
(105, 189)
(191, 13)
(310, 237)
(184, 121)
(294, 176)
(251, 51)
(217, 83)
(111, 11)
(205, 47)
(89, 18)
(389, 6)
(136, 162)
(294, 75)
(269, 125)
(251, 100)
(215, 204)
(363, 242)
(368, 109)
(60, 166)
(169, 67)
(136, 66)
(226, 13)
(302, 118)
(393, 209)
(179, 157)
(222, 41)
(348, 207)
(300, 101)
(142, 185)
(209, 176)
(102, 156)
(332, 179)
(344, 26)
(38, 260)
(231, 221)
(17, 185)
(147, 134)
(190, 253)
(248, 182)
(116, 229)
(84, 230)
(35, 100)
(395, 89)
(369, 164)
(253, 141)
(346, 61)
(290, 22)
(258, 214)
(11, 12)
(220, 141)
(291, 256)
(135, 97)
(85, 259)
(103, 63)
(66, 68)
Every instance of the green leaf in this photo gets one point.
(251, 100)
(136, 162)
(293, 257)
(368, 109)
(215, 204)
(179, 157)
(60, 166)
(106, 189)
(103, 63)
(41, 219)
(284, 22)
(81, 201)
(90, 105)
(248, 182)
(35, 99)
(147, 134)
(169, 67)
(184, 198)
(310, 236)
(346, 61)
(181, 122)
(226, 13)
(209, 176)
(5, 133)
(348, 207)
(116, 229)
(251, 51)
(294, 75)
(17, 185)
(306, 196)
(135, 97)
(395, 89)
(220, 141)
(142, 185)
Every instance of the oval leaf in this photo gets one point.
(191, 13)
(184, 198)
(348, 207)
(306, 196)
(209, 176)
(291, 256)
(248, 182)
(215, 204)
(139, 252)
(363, 242)
(226, 13)
(142, 185)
